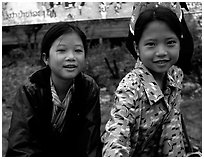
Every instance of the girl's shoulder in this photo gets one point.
(86, 87)
(131, 80)
(175, 70)
(27, 87)
(88, 79)
(86, 82)
(40, 79)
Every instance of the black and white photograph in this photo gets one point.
(101, 79)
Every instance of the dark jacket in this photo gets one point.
(31, 131)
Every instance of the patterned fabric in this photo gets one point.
(59, 108)
(140, 114)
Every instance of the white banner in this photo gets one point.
(22, 13)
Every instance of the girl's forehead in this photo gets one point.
(70, 35)
(157, 27)
(156, 24)
(69, 38)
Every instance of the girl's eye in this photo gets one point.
(61, 50)
(79, 50)
(150, 44)
(171, 43)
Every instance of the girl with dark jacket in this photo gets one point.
(57, 111)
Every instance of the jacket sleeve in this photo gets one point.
(125, 118)
(94, 147)
(20, 140)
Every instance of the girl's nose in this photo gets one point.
(161, 51)
(70, 55)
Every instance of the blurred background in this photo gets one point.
(108, 60)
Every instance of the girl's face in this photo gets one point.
(66, 57)
(158, 47)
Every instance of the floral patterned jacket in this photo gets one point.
(142, 113)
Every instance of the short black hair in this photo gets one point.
(56, 31)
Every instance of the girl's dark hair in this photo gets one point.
(157, 13)
(179, 28)
(56, 31)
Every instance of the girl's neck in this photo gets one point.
(61, 86)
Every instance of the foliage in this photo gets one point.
(195, 8)
(196, 32)
(17, 53)
(97, 67)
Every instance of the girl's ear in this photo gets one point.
(44, 58)
(136, 48)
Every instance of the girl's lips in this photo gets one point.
(70, 67)
(161, 62)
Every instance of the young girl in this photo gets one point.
(146, 119)
(57, 111)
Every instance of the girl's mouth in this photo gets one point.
(70, 67)
(161, 62)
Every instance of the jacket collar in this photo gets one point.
(152, 89)
(41, 77)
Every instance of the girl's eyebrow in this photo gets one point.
(171, 38)
(150, 39)
(155, 39)
(79, 45)
(61, 44)
(76, 45)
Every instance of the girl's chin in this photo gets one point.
(161, 72)
(158, 71)
(70, 76)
